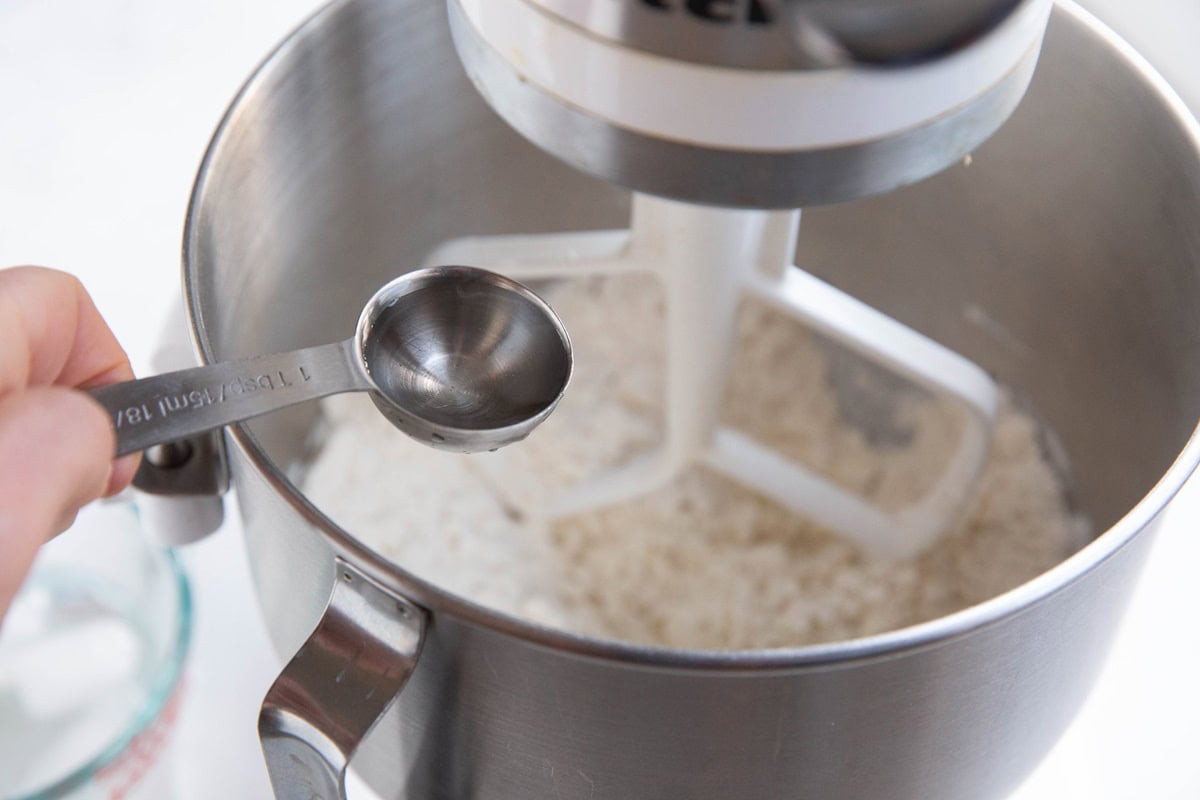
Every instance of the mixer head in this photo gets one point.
(753, 103)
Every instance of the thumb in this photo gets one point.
(55, 456)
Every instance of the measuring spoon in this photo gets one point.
(459, 358)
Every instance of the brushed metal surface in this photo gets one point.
(173, 406)
(736, 178)
(458, 358)
(463, 359)
(1063, 259)
(337, 686)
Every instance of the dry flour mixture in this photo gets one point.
(701, 563)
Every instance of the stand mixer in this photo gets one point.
(359, 148)
(718, 115)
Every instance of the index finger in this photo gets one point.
(52, 334)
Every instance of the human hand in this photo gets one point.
(56, 443)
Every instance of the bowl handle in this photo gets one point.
(337, 686)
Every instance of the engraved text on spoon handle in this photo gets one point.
(176, 405)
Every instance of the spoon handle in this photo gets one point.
(176, 405)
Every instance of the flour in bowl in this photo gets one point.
(702, 562)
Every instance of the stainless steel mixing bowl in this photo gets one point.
(1064, 259)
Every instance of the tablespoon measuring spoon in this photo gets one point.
(459, 358)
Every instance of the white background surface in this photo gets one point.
(105, 110)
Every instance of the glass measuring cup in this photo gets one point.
(91, 657)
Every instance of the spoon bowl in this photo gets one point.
(463, 359)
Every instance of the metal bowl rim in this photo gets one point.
(890, 644)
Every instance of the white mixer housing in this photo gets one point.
(832, 128)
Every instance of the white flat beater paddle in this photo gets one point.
(707, 259)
